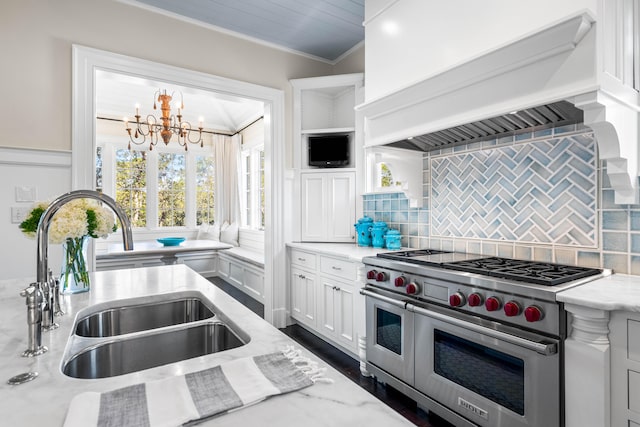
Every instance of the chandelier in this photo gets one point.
(166, 127)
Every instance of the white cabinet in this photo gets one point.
(625, 368)
(337, 299)
(302, 282)
(324, 297)
(323, 200)
(328, 209)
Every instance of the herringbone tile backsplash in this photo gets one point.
(542, 196)
(539, 192)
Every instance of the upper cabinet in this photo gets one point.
(325, 106)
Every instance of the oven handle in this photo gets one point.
(544, 349)
(392, 301)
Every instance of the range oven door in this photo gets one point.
(488, 376)
(389, 335)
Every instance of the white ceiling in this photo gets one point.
(324, 29)
(118, 94)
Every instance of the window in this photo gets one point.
(253, 185)
(205, 206)
(385, 177)
(131, 185)
(171, 190)
(167, 187)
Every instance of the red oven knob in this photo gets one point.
(492, 304)
(511, 308)
(381, 276)
(533, 313)
(475, 300)
(457, 300)
(371, 274)
(400, 281)
(412, 289)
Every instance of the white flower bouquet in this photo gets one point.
(72, 225)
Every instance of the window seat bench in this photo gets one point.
(244, 269)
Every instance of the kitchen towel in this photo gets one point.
(190, 398)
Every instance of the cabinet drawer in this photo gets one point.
(337, 267)
(303, 259)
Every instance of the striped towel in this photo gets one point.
(188, 398)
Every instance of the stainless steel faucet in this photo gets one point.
(42, 295)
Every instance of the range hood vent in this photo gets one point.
(527, 120)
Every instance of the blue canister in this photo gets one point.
(392, 239)
(378, 230)
(363, 230)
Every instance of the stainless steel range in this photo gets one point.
(477, 340)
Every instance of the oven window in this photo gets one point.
(495, 375)
(389, 330)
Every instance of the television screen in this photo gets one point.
(329, 151)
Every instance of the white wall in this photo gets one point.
(50, 173)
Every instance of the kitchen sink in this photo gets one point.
(148, 350)
(140, 317)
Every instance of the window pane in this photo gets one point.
(131, 185)
(171, 189)
(205, 169)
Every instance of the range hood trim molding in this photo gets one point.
(610, 108)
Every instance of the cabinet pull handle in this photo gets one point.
(336, 268)
(301, 276)
(302, 259)
(336, 288)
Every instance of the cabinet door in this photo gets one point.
(341, 204)
(336, 312)
(303, 296)
(327, 308)
(313, 207)
(328, 206)
(345, 318)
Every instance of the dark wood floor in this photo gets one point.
(343, 363)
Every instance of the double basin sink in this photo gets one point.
(132, 335)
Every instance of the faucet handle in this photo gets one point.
(34, 301)
(33, 295)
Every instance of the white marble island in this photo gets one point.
(45, 400)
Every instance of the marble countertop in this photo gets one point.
(152, 247)
(615, 292)
(349, 250)
(44, 401)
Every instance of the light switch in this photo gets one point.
(25, 193)
(18, 214)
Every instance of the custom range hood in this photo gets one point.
(573, 71)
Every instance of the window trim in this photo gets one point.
(252, 220)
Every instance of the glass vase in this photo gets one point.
(74, 277)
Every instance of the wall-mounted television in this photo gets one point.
(329, 151)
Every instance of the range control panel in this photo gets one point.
(493, 304)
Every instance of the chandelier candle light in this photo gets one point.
(169, 125)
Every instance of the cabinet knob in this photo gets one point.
(335, 288)
(301, 276)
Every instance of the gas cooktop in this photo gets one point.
(541, 273)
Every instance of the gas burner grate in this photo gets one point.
(400, 255)
(540, 273)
